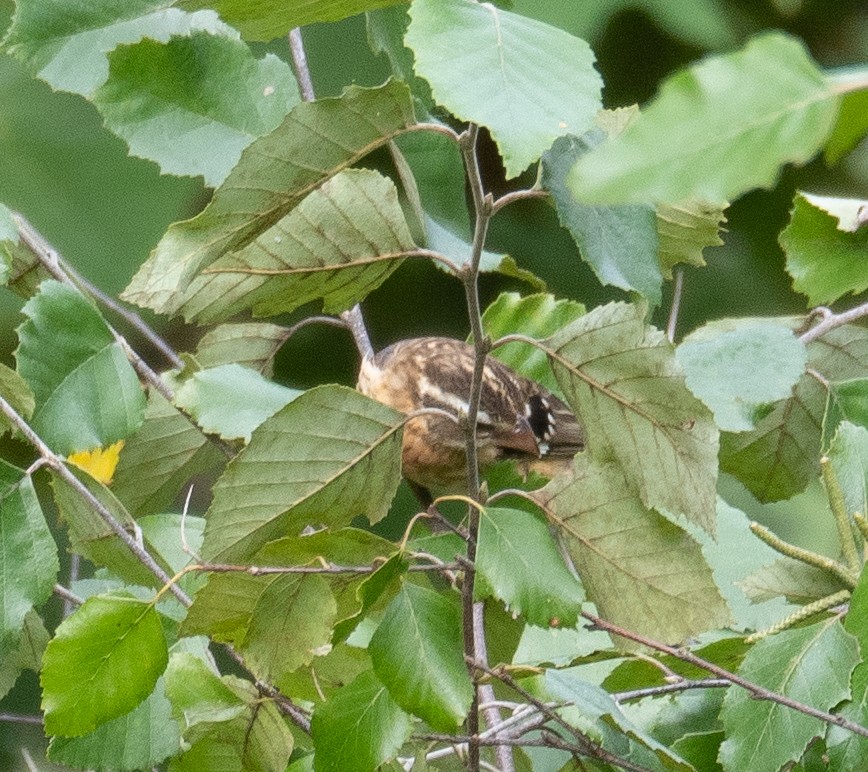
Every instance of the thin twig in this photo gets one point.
(679, 686)
(676, 305)
(491, 711)
(56, 464)
(517, 195)
(60, 268)
(19, 718)
(225, 568)
(831, 321)
(50, 259)
(587, 745)
(353, 317)
(755, 689)
(299, 65)
(70, 599)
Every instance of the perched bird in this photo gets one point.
(517, 417)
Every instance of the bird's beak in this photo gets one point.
(520, 437)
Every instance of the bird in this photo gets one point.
(517, 418)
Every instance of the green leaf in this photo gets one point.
(684, 230)
(207, 92)
(66, 44)
(328, 456)
(341, 242)
(28, 554)
(92, 537)
(160, 458)
(386, 28)
(848, 401)
(14, 389)
(265, 21)
(382, 583)
(476, 58)
(811, 665)
(87, 393)
(103, 661)
(736, 366)
(716, 130)
(417, 652)
(595, 712)
(24, 654)
(140, 739)
(791, 579)
(359, 728)
(537, 316)
(354, 594)
(851, 125)
(778, 458)
(639, 569)
(315, 142)
(620, 243)
(825, 262)
(520, 562)
(226, 723)
(258, 615)
(231, 400)
(846, 749)
(252, 344)
(622, 379)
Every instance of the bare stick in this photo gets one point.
(755, 689)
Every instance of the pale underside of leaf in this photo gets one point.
(621, 378)
(642, 571)
(315, 142)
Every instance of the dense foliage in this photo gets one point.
(623, 615)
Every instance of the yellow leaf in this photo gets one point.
(99, 463)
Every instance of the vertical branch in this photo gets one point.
(353, 318)
(473, 624)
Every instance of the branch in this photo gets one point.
(587, 745)
(482, 205)
(51, 260)
(329, 568)
(680, 686)
(56, 463)
(830, 321)
(756, 690)
(676, 305)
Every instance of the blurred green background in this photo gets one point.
(105, 210)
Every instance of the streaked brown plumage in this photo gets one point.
(517, 419)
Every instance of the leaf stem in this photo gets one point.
(756, 690)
